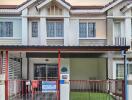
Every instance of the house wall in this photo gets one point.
(55, 42)
(32, 61)
(78, 68)
(17, 31)
(71, 27)
(115, 14)
(116, 10)
(100, 27)
(33, 40)
(86, 69)
(102, 64)
(92, 42)
(32, 10)
(74, 32)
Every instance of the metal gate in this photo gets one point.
(33, 90)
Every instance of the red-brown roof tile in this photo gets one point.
(8, 6)
(87, 7)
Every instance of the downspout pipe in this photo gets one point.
(125, 75)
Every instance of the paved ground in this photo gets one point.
(36, 97)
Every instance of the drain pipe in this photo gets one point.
(125, 75)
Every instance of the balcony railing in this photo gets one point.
(97, 89)
(30, 90)
(120, 41)
(79, 90)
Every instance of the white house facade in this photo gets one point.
(86, 42)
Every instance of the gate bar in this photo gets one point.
(125, 76)
(6, 77)
(59, 65)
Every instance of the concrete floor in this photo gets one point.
(46, 96)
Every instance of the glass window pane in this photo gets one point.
(52, 72)
(59, 29)
(117, 29)
(10, 29)
(50, 29)
(91, 30)
(40, 71)
(6, 29)
(34, 29)
(83, 30)
(120, 71)
(1, 29)
(130, 69)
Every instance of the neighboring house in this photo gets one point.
(33, 32)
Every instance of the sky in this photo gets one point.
(73, 2)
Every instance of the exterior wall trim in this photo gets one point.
(126, 8)
(59, 1)
(92, 38)
(119, 16)
(90, 18)
(10, 17)
(43, 16)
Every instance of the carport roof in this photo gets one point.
(61, 48)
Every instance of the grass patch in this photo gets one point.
(89, 96)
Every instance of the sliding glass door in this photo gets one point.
(45, 71)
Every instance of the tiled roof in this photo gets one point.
(110, 3)
(87, 7)
(126, 5)
(72, 7)
(23, 3)
(8, 6)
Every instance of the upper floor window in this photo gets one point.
(6, 29)
(117, 29)
(87, 30)
(120, 70)
(55, 28)
(34, 29)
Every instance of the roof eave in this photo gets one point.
(62, 48)
(59, 1)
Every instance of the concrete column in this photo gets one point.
(110, 65)
(110, 34)
(24, 27)
(24, 66)
(66, 31)
(43, 32)
(74, 32)
(130, 87)
(66, 85)
(128, 26)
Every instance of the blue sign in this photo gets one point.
(49, 86)
(62, 81)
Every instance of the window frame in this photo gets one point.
(46, 66)
(37, 29)
(87, 30)
(116, 70)
(5, 28)
(115, 28)
(55, 29)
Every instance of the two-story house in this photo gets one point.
(49, 40)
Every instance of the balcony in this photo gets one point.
(120, 41)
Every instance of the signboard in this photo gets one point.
(49, 86)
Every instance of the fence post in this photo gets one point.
(123, 91)
(59, 65)
(6, 77)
